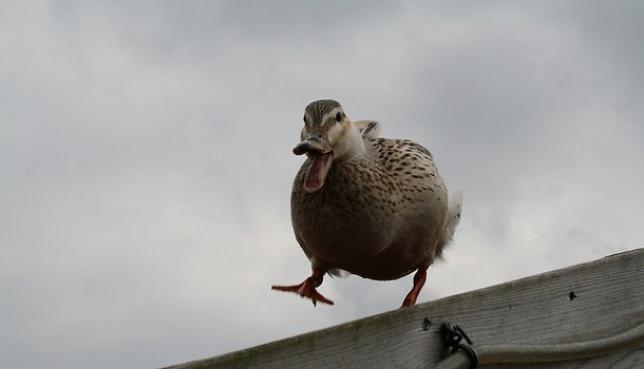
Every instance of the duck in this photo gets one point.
(367, 205)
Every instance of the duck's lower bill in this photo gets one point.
(317, 172)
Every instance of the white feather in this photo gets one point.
(454, 213)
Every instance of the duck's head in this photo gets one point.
(327, 136)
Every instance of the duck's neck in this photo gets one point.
(352, 143)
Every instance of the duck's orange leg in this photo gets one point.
(307, 288)
(419, 281)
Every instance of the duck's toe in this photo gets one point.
(306, 289)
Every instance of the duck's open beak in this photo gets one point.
(321, 159)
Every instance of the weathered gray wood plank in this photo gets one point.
(608, 298)
(632, 358)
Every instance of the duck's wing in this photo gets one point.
(368, 128)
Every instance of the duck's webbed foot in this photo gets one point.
(419, 281)
(307, 288)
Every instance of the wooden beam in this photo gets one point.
(578, 303)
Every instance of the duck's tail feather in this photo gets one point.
(453, 218)
(454, 213)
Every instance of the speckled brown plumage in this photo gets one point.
(367, 203)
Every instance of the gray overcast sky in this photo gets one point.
(146, 166)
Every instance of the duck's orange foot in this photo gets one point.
(306, 289)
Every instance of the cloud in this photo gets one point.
(146, 161)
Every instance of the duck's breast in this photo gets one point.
(352, 217)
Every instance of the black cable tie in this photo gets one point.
(453, 335)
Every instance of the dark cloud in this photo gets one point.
(146, 161)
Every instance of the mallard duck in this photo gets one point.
(364, 204)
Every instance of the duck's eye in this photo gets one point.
(338, 117)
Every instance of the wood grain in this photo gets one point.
(607, 297)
